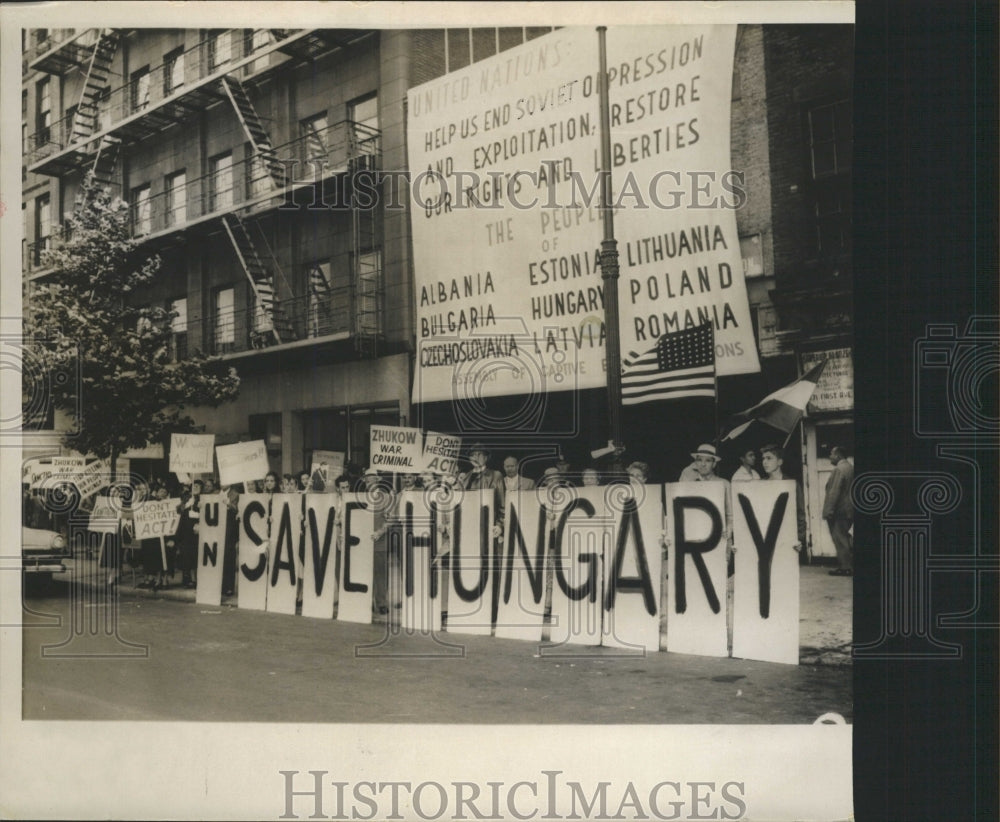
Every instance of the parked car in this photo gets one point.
(43, 552)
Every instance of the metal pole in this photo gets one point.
(609, 255)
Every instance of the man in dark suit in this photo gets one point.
(838, 511)
(320, 477)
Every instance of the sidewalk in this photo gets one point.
(825, 616)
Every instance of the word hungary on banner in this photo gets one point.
(506, 156)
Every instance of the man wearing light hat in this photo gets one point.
(703, 467)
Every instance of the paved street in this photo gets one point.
(229, 664)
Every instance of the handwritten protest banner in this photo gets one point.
(326, 466)
(253, 551)
(104, 517)
(356, 572)
(192, 453)
(696, 611)
(156, 518)
(524, 569)
(211, 549)
(465, 526)
(66, 467)
(92, 478)
(282, 557)
(766, 583)
(441, 453)
(241, 462)
(324, 537)
(579, 527)
(396, 449)
(632, 572)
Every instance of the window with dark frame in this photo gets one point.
(173, 70)
(175, 186)
(139, 206)
(178, 328)
(223, 320)
(221, 181)
(43, 112)
(220, 50)
(139, 89)
(830, 145)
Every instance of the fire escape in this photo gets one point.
(107, 120)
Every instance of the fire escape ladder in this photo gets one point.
(106, 161)
(254, 129)
(269, 319)
(366, 280)
(96, 81)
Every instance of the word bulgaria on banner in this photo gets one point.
(397, 449)
(157, 518)
(441, 452)
(191, 453)
(508, 149)
(241, 462)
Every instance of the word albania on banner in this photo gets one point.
(594, 559)
(511, 159)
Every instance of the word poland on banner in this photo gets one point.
(441, 453)
(211, 549)
(766, 585)
(324, 537)
(283, 547)
(397, 449)
(191, 453)
(253, 519)
(420, 542)
(157, 518)
(356, 575)
(527, 526)
(633, 571)
(696, 611)
(241, 462)
(465, 528)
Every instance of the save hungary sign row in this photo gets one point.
(585, 567)
(505, 157)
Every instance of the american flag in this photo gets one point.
(681, 364)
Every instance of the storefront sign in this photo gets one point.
(835, 390)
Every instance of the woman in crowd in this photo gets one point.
(187, 535)
(231, 552)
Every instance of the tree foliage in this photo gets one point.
(88, 323)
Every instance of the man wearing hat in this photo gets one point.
(702, 468)
(480, 477)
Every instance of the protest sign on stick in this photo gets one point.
(241, 462)
(397, 449)
(191, 453)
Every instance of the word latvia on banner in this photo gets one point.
(593, 560)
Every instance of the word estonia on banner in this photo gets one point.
(597, 552)
(505, 155)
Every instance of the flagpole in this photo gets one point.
(609, 255)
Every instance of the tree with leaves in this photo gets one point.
(87, 318)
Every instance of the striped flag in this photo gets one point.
(782, 409)
(681, 364)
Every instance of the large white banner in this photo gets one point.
(211, 548)
(505, 162)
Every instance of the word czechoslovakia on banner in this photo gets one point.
(505, 157)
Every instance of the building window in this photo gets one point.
(173, 71)
(103, 100)
(253, 41)
(220, 49)
(363, 112)
(43, 226)
(320, 315)
(221, 181)
(223, 320)
(139, 89)
(314, 136)
(43, 112)
(830, 135)
(259, 180)
(176, 190)
(178, 328)
(141, 222)
(369, 292)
